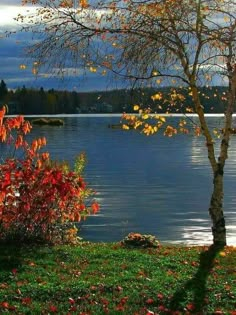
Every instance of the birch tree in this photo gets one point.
(187, 42)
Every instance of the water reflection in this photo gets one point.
(196, 235)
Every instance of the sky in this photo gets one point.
(12, 56)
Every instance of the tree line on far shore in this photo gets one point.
(28, 101)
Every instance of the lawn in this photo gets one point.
(98, 278)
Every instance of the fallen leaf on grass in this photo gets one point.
(71, 301)
(104, 301)
(119, 288)
(26, 301)
(149, 301)
(162, 308)
(5, 305)
(120, 307)
(160, 296)
(53, 309)
(21, 283)
(190, 307)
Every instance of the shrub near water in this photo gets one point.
(37, 195)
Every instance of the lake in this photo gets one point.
(155, 185)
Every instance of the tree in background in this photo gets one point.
(3, 90)
(183, 43)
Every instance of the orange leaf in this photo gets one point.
(26, 127)
(19, 141)
(34, 145)
(84, 4)
(3, 133)
(39, 163)
(95, 207)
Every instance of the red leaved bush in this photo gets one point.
(37, 195)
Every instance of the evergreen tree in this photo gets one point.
(3, 90)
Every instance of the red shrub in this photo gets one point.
(37, 195)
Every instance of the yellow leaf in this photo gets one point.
(66, 4)
(145, 116)
(154, 72)
(136, 107)
(222, 254)
(226, 19)
(93, 69)
(197, 131)
(208, 77)
(137, 124)
(34, 71)
(126, 127)
(162, 119)
(156, 97)
(23, 67)
(189, 110)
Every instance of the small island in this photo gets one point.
(48, 121)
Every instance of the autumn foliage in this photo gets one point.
(37, 196)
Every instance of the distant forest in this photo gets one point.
(28, 101)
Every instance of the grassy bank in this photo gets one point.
(109, 279)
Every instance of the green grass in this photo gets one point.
(102, 278)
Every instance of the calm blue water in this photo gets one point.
(155, 185)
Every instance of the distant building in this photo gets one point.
(106, 108)
(102, 108)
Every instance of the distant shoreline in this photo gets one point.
(120, 114)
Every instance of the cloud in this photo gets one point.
(12, 55)
(8, 13)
